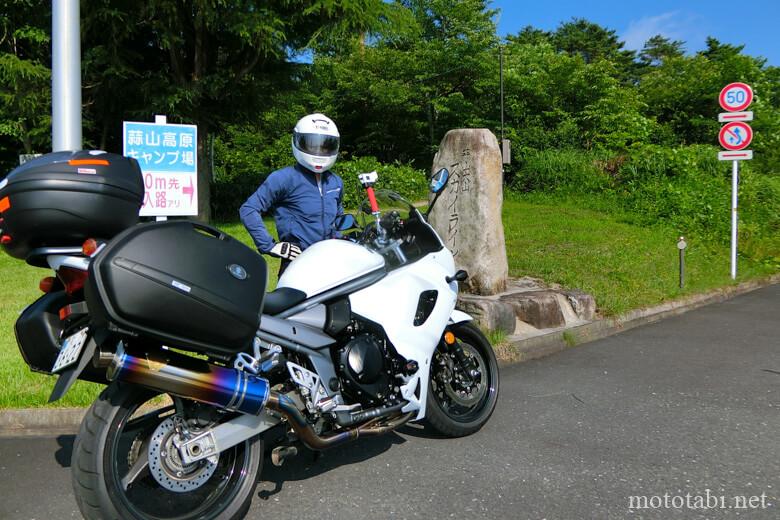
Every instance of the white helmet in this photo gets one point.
(315, 142)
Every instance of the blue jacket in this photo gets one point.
(304, 212)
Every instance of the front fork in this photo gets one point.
(453, 347)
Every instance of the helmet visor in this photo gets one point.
(316, 144)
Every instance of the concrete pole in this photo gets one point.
(65, 76)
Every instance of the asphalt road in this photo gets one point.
(685, 412)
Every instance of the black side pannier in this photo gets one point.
(181, 282)
(63, 198)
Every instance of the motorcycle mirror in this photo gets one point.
(439, 180)
(438, 183)
(345, 222)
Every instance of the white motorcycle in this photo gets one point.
(360, 337)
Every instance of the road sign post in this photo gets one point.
(169, 161)
(735, 136)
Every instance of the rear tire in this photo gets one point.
(449, 413)
(99, 460)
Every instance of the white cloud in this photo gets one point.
(674, 25)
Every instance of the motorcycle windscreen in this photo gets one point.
(184, 283)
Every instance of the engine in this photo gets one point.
(368, 366)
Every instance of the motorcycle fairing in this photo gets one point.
(459, 317)
(393, 302)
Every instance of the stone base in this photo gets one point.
(529, 302)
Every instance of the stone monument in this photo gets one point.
(468, 214)
(468, 218)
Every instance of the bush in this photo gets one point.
(242, 161)
(686, 186)
(559, 171)
(410, 182)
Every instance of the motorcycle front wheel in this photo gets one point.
(116, 475)
(459, 404)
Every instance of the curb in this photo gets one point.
(25, 422)
(524, 349)
(64, 421)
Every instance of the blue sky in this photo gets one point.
(756, 24)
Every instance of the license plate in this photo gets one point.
(71, 348)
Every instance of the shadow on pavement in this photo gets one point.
(63, 454)
(308, 464)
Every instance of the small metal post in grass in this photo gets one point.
(681, 245)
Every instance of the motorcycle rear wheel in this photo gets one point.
(113, 433)
(450, 409)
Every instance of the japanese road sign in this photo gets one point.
(741, 155)
(727, 117)
(735, 136)
(736, 97)
(168, 157)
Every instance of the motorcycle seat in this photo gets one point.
(282, 299)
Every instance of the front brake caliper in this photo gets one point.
(464, 362)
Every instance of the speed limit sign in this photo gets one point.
(735, 97)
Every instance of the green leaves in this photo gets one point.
(25, 80)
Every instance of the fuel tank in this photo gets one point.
(328, 264)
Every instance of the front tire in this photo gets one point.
(453, 408)
(113, 434)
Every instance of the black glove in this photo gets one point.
(285, 250)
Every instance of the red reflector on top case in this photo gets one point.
(5, 204)
(6, 239)
(88, 162)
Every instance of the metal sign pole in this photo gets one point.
(734, 186)
(66, 76)
(501, 86)
(735, 136)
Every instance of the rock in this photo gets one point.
(538, 308)
(492, 314)
(468, 214)
(584, 304)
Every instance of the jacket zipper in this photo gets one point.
(322, 204)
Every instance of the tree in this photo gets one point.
(395, 97)
(659, 48)
(25, 79)
(557, 100)
(530, 35)
(198, 61)
(593, 42)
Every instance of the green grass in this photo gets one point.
(623, 265)
(19, 387)
(569, 338)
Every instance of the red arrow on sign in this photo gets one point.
(189, 190)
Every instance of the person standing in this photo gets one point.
(304, 198)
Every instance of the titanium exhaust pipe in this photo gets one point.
(192, 378)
